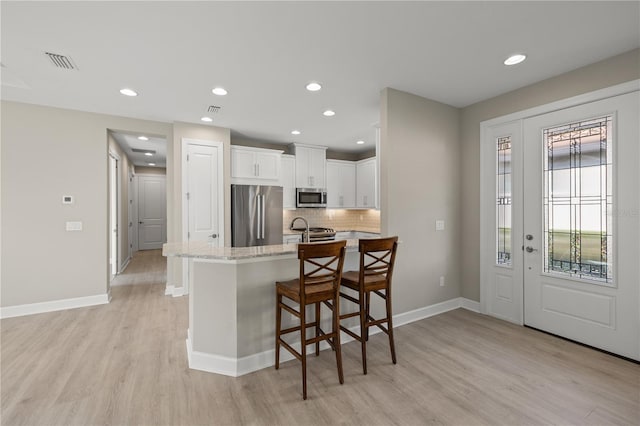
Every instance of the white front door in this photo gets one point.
(152, 212)
(560, 221)
(581, 223)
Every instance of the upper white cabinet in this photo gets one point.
(341, 184)
(366, 183)
(310, 166)
(255, 165)
(288, 181)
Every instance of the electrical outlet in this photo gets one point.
(442, 281)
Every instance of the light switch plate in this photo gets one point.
(74, 226)
(439, 225)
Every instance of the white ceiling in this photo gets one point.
(264, 53)
(157, 146)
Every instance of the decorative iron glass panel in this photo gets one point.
(578, 199)
(503, 207)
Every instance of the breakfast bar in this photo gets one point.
(232, 302)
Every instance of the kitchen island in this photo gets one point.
(232, 303)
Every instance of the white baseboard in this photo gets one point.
(54, 305)
(125, 264)
(235, 367)
(168, 291)
(178, 291)
(470, 305)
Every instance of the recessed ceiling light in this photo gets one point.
(151, 164)
(329, 113)
(148, 154)
(219, 91)
(313, 86)
(207, 119)
(360, 142)
(295, 132)
(143, 138)
(128, 92)
(515, 59)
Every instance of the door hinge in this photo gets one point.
(188, 235)
(188, 197)
(187, 157)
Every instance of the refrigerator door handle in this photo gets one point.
(263, 215)
(259, 201)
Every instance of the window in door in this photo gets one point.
(578, 200)
(503, 208)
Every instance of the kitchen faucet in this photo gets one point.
(304, 239)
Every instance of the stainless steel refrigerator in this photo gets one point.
(256, 215)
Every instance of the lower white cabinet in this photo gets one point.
(291, 238)
(341, 184)
(366, 183)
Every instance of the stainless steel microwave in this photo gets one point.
(311, 197)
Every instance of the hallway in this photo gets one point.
(146, 267)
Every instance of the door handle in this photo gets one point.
(214, 235)
(259, 224)
(263, 214)
(140, 222)
(530, 249)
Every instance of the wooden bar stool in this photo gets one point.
(377, 257)
(319, 281)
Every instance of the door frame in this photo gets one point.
(118, 189)
(487, 219)
(184, 145)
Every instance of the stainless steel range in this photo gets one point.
(318, 233)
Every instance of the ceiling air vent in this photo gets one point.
(214, 109)
(143, 151)
(61, 61)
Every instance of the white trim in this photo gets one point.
(178, 291)
(470, 305)
(126, 263)
(54, 305)
(236, 367)
(597, 95)
(168, 290)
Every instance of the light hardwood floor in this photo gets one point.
(125, 363)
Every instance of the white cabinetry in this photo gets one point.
(255, 165)
(341, 184)
(366, 183)
(288, 181)
(310, 166)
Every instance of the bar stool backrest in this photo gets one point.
(377, 257)
(321, 265)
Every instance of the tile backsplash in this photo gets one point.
(338, 219)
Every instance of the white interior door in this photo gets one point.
(581, 223)
(152, 212)
(203, 200)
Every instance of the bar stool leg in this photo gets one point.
(390, 325)
(336, 336)
(317, 328)
(363, 330)
(368, 304)
(303, 350)
(278, 324)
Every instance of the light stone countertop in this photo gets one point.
(204, 250)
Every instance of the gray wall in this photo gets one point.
(174, 186)
(420, 182)
(47, 153)
(615, 70)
